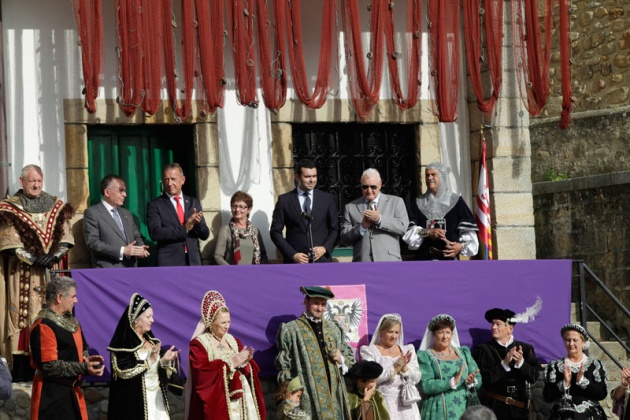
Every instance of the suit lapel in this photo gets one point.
(383, 203)
(169, 204)
(108, 217)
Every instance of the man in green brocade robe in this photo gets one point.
(314, 349)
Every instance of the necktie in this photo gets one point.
(372, 205)
(118, 221)
(180, 210)
(180, 216)
(307, 203)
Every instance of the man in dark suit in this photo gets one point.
(109, 230)
(374, 222)
(508, 367)
(293, 211)
(176, 221)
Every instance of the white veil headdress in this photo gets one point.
(427, 339)
(376, 336)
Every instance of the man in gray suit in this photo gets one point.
(110, 233)
(374, 223)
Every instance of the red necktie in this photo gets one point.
(180, 210)
(180, 216)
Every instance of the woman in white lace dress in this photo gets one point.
(400, 366)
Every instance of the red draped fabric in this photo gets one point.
(565, 64)
(152, 42)
(296, 52)
(365, 85)
(413, 37)
(129, 25)
(444, 57)
(493, 13)
(169, 60)
(242, 34)
(146, 48)
(88, 15)
(531, 57)
(272, 69)
(211, 33)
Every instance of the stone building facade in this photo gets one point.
(580, 175)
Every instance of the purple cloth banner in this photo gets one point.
(262, 297)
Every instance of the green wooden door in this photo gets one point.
(137, 154)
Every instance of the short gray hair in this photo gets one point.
(59, 284)
(478, 412)
(371, 172)
(172, 166)
(27, 169)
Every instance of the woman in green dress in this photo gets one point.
(448, 371)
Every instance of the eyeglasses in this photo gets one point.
(235, 207)
(372, 187)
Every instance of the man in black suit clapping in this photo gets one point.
(176, 221)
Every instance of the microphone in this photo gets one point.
(307, 216)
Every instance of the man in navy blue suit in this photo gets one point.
(176, 221)
(293, 212)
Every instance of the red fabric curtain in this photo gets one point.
(146, 47)
(89, 19)
(364, 85)
(531, 57)
(211, 35)
(168, 23)
(152, 42)
(444, 55)
(413, 37)
(272, 69)
(129, 25)
(296, 52)
(493, 13)
(242, 34)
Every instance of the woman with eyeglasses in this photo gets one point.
(240, 243)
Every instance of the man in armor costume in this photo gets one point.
(35, 233)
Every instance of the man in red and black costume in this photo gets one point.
(34, 235)
(60, 356)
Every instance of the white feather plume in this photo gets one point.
(529, 314)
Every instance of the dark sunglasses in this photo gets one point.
(365, 187)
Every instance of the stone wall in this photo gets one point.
(590, 223)
(600, 41)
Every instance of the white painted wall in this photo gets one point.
(43, 67)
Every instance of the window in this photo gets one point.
(343, 151)
(137, 154)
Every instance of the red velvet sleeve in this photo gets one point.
(209, 383)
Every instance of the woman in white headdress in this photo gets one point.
(400, 367)
(448, 371)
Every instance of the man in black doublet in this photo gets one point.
(507, 367)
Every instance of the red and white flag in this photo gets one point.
(482, 216)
